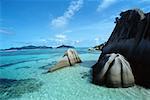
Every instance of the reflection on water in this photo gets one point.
(11, 88)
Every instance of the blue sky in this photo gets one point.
(82, 23)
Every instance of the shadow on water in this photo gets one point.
(46, 67)
(88, 63)
(11, 88)
(25, 67)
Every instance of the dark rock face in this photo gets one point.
(131, 38)
(115, 72)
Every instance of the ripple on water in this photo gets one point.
(11, 88)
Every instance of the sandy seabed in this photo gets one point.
(70, 83)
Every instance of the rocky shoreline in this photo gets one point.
(130, 38)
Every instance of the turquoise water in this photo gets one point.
(22, 78)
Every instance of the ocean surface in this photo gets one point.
(22, 77)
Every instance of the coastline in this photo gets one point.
(75, 50)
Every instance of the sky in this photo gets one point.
(81, 23)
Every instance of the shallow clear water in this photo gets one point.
(22, 78)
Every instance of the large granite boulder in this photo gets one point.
(70, 58)
(114, 71)
(131, 38)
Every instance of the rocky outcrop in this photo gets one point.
(99, 47)
(115, 71)
(70, 58)
(131, 38)
(91, 49)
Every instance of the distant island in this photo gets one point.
(65, 46)
(36, 47)
(28, 47)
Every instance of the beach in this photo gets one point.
(22, 78)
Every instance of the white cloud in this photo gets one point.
(43, 40)
(59, 22)
(72, 9)
(4, 31)
(97, 40)
(77, 41)
(60, 39)
(60, 36)
(74, 42)
(105, 4)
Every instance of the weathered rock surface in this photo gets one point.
(70, 58)
(131, 38)
(115, 71)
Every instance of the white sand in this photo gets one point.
(68, 84)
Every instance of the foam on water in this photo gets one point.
(25, 81)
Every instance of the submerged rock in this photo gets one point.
(113, 71)
(70, 58)
(131, 38)
(12, 88)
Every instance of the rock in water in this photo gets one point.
(131, 38)
(99, 47)
(70, 58)
(114, 71)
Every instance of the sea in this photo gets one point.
(23, 77)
